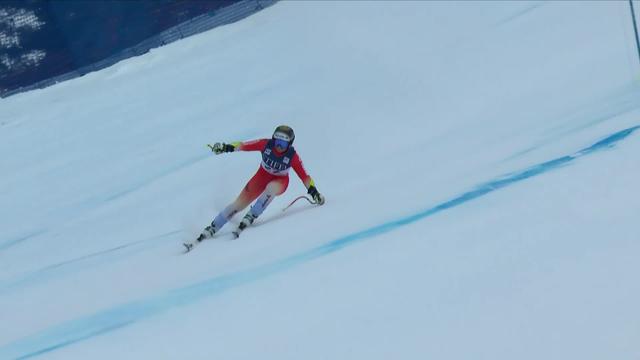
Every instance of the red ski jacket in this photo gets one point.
(277, 163)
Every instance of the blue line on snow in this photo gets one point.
(69, 342)
(105, 321)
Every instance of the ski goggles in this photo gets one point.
(280, 143)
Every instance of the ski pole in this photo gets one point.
(298, 198)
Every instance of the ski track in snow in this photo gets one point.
(520, 13)
(145, 182)
(615, 104)
(106, 256)
(75, 331)
(74, 265)
(7, 244)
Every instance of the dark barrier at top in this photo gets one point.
(76, 60)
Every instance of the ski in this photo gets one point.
(246, 221)
(243, 225)
(188, 247)
(206, 234)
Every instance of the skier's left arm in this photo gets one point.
(308, 182)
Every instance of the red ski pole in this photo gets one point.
(298, 198)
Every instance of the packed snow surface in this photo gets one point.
(479, 160)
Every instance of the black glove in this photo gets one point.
(219, 148)
(319, 199)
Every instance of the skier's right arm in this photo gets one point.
(252, 145)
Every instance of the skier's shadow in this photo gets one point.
(260, 222)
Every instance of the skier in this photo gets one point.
(271, 179)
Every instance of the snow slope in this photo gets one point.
(479, 161)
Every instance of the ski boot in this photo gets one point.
(248, 219)
(207, 233)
